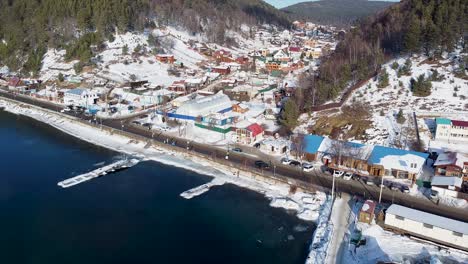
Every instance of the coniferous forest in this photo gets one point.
(29, 27)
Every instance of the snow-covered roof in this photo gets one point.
(446, 181)
(348, 149)
(77, 91)
(205, 105)
(427, 218)
(398, 159)
(451, 158)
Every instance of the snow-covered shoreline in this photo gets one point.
(307, 206)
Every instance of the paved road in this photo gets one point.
(317, 179)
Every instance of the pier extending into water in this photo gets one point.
(116, 166)
(199, 190)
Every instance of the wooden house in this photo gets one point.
(366, 214)
(165, 58)
(223, 70)
(452, 164)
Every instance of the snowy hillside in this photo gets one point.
(448, 99)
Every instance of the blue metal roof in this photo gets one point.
(77, 91)
(312, 143)
(380, 152)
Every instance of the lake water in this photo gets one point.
(134, 216)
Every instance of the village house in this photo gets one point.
(345, 156)
(240, 108)
(452, 164)
(451, 130)
(447, 186)
(203, 106)
(366, 214)
(223, 56)
(397, 163)
(80, 97)
(249, 134)
(310, 147)
(223, 70)
(364, 160)
(281, 55)
(165, 58)
(178, 87)
(275, 146)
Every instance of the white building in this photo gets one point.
(80, 97)
(451, 130)
(218, 103)
(427, 226)
(275, 146)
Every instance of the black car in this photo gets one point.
(405, 189)
(295, 163)
(237, 150)
(257, 145)
(261, 164)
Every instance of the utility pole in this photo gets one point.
(333, 187)
(381, 189)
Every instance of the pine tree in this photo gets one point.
(383, 79)
(412, 35)
(400, 117)
(290, 115)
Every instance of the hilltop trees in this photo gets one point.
(421, 86)
(410, 26)
(29, 27)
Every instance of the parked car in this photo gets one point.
(356, 177)
(394, 187)
(405, 189)
(295, 163)
(367, 180)
(307, 167)
(337, 173)
(434, 196)
(285, 161)
(239, 150)
(148, 125)
(135, 122)
(256, 145)
(347, 176)
(261, 164)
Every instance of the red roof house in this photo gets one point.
(250, 134)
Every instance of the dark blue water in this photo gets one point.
(135, 216)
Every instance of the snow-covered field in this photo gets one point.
(307, 206)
